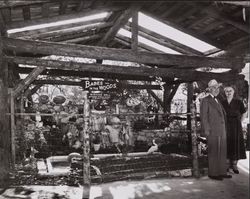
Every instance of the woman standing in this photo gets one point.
(235, 114)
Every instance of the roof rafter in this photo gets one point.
(94, 52)
(165, 41)
(83, 13)
(120, 22)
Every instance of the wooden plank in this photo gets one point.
(63, 7)
(120, 22)
(45, 10)
(29, 92)
(190, 32)
(55, 30)
(74, 50)
(227, 19)
(5, 155)
(196, 171)
(156, 97)
(165, 41)
(127, 42)
(79, 83)
(77, 32)
(2, 25)
(83, 39)
(183, 74)
(86, 148)
(79, 74)
(11, 3)
(26, 13)
(53, 19)
(6, 13)
(12, 127)
(25, 82)
(134, 28)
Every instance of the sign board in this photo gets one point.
(99, 85)
(98, 96)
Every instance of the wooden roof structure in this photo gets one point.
(222, 25)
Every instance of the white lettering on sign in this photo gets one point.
(107, 87)
(93, 83)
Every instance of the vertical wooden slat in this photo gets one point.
(196, 171)
(5, 155)
(26, 13)
(63, 7)
(86, 149)
(6, 12)
(190, 92)
(45, 10)
(134, 39)
(12, 127)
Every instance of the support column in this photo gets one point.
(166, 102)
(5, 146)
(196, 171)
(86, 149)
(190, 93)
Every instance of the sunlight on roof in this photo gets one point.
(172, 33)
(148, 42)
(64, 22)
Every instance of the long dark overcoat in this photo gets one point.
(213, 122)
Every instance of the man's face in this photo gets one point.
(215, 91)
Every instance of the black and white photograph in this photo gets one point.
(124, 99)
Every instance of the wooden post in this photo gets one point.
(86, 149)
(166, 102)
(190, 93)
(134, 39)
(12, 127)
(196, 171)
(5, 155)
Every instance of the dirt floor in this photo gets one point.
(175, 188)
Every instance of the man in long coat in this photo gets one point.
(213, 122)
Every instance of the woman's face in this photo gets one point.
(229, 92)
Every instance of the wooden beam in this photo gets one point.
(74, 50)
(53, 19)
(80, 74)
(227, 19)
(2, 25)
(26, 12)
(190, 32)
(12, 127)
(63, 7)
(83, 39)
(45, 10)
(187, 75)
(57, 29)
(165, 41)
(5, 136)
(172, 93)
(25, 82)
(127, 41)
(156, 97)
(79, 83)
(29, 92)
(134, 28)
(11, 3)
(120, 22)
(74, 33)
(6, 13)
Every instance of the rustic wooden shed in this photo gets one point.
(225, 25)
